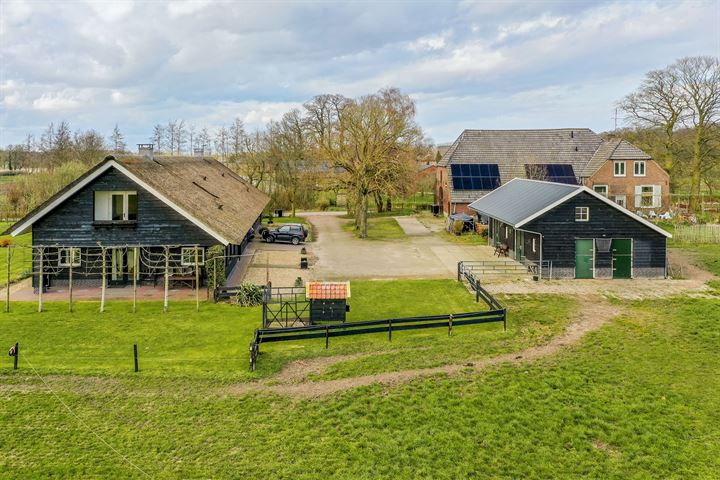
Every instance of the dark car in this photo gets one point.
(294, 233)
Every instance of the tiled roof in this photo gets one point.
(511, 150)
(327, 290)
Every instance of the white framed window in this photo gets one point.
(620, 200)
(534, 245)
(187, 255)
(639, 168)
(582, 214)
(601, 189)
(69, 257)
(116, 206)
(619, 168)
(648, 196)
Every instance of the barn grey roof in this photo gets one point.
(511, 150)
(202, 189)
(520, 198)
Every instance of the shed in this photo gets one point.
(571, 231)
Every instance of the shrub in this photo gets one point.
(215, 268)
(458, 226)
(249, 295)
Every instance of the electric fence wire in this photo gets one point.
(82, 422)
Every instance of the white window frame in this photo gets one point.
(616, 165)
(582, 214)
(616, 199)
(604, 194)
(104, 205)
(191, 252)
(636, 164)
(71, 253)
(644, 195)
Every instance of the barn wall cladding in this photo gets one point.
(157, 223)
(560, 230)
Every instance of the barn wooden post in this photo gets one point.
(136, 265)
(70, 279)
(104, 279)
(40, 280)
(197, 280)
(167, 278)
(7, 286)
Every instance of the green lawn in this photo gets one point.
(379, 228)
(20, 264)
(636, 399)
(214, 343)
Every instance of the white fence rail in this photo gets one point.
(708, 233)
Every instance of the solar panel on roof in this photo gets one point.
(475, 176)
(552, 172)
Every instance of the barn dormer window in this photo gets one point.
(115, 206)
(582, 214)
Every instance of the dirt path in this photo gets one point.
(593, 312)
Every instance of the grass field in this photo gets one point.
(20, 265)
(636, 399)
(379, 228)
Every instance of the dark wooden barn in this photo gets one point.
(132, 214)
(570, 231)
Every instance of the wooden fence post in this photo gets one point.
(197, 280)
(40, 280)
(327, 337)
(135, 354)
(7, 287)
(103, 251)
(17, 354)
(70, 279)
(390, 330)
(450, 319)
(167, 278)
(136, 272)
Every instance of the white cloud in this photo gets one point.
(55, 101)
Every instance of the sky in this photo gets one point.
(467, 64)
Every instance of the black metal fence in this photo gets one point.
(390, 325)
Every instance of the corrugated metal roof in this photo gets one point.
(520, 198)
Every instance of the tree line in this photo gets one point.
(367, 147)
(674, 116)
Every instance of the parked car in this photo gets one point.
(294, 233)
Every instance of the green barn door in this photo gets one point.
(622, 257)
(583, 258)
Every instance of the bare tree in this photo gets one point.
(204, 141)
(63, 146)
(158, 137)
(685, 94)
(117, 140)
(89, 146)
(370, 139)
(221, 141)
(47, 139)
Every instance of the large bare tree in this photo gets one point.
(684, 95)
(370, 139)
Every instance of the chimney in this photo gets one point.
(146, 149)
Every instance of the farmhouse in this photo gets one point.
(134, 217)
(481, 160)
(571, 231)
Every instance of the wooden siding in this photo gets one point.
(560, 230)
(71, 223)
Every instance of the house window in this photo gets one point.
(648, 197)
(69, 257)
(620, 200)
(188, 256)
(601, 189)
(582, 214)
(619, 167)
(116, 206)
(639, 168)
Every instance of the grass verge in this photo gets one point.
(379, 228)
